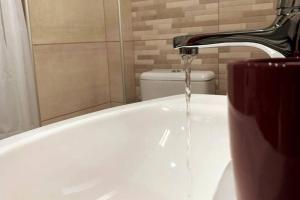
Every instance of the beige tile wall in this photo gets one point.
(71, 77)
(164, 19)
(115, 70)
(66, 21)
(78, 59)
(79, 49)
(121, 52)
(156, 22)
(129, 71)
(112, 20)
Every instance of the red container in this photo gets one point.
(264, 115)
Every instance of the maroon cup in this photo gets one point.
(264, 117)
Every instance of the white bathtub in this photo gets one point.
(133, 152)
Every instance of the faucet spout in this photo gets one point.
(281, 39)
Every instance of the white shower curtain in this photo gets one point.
(18, 101)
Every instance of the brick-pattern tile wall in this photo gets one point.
(164, 19)
(156, 22)
(242, 15)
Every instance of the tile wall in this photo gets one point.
(78, 56)
(120, 51)
(79, 49)
(156, 22)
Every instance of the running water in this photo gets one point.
(187, 60)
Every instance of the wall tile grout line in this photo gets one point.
(107, 59)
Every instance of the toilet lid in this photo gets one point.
(177, 75)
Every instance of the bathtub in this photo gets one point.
(132, 152)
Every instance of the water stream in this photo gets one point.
(187, 61)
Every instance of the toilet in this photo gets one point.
(168, 82)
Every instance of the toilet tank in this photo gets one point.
(168, 82)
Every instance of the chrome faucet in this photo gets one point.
(281, 39)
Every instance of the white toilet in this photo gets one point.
(168, 82)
